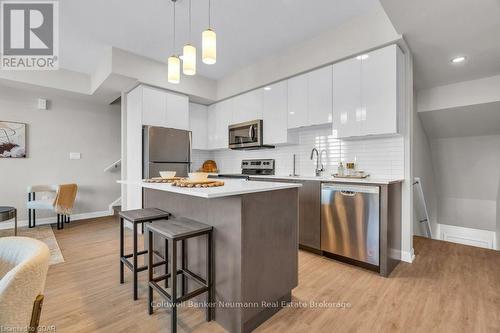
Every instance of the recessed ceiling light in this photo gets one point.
(267, 88)
(457, 60)
(363, 57)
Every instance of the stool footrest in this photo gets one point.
(141, 268)
(181, 299)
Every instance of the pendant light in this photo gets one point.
(174, 63)
(209, 42)
(189, 53)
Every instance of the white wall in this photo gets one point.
(467, 173)
(70, 125)
(423, 168)
(381, 157)
(357, 35)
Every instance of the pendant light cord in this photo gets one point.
(173, 46)
(189, 20)
(209, 12)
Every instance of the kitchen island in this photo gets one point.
(255, 244)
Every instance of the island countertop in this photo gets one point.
(231, 187)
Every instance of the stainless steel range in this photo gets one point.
(252, 168)
(257, 167)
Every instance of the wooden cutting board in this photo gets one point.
(162, 180)
(197, 183)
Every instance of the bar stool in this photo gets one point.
(174, 230)
(8, 213)
(137, 216)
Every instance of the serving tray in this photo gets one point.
(363, 176)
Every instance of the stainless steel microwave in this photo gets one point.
(247, 135)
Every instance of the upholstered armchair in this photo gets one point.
(23, 269)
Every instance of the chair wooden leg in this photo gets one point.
(35, 314)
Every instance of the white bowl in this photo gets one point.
(167, 174)
(198, 176)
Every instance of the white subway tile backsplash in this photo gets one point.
(380, 157)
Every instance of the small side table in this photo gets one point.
(9, 213)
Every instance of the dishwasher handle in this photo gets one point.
(347, 189)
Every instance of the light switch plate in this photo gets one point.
(75, 156)
(42, 104)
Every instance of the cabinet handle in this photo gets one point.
(348, 193)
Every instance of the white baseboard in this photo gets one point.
(408, 256)
(467, 236)
(50, 220)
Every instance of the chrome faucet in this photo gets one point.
(318, 162)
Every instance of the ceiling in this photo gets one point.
(246, 30)
(438, 30)
(471, 120)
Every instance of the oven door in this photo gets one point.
(245, 135)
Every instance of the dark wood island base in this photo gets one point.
(255, 249)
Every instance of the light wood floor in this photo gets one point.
(448, 288)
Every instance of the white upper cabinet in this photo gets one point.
(275, 115)
(347, 98)
(177, 113)
(198, 125)
(165, 109)
(211, 126)
(154, 104)
(297, 101)
(247, 106)
(380, 91)
(367, 93)
(319, 98)
(310, 98)
(219, 118)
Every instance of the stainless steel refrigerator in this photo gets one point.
(165, 149)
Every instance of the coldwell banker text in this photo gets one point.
(30, 35)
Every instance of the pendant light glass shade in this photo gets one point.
(209, 47)
(189, 60)
(174, 69)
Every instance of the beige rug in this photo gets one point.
(43, 233)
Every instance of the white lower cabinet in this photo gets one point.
(198, 125)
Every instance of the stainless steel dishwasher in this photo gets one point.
(350, 216)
